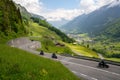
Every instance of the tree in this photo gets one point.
(10, 18)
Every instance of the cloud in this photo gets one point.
(91, 5)
(86, 6)
(115, 3)
(33, 6)
(59, 14)
(86, 3)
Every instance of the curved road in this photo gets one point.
(85, 69)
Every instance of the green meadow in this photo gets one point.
(48, 40)
(16, 64)
(83, 51)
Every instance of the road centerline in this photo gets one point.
(84, 75)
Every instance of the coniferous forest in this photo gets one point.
(11, 24)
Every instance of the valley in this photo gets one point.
(98, 30)
(80, 44)
(109, 49)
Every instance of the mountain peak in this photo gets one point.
(95, 21)
(114, 3)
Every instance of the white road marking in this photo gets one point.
(91, 67)
(85, 76)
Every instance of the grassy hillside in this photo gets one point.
(41, 32)
(48, 39)
(112, 30)
(83, 51)
(44, 23)
(20, 65)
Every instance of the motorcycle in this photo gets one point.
(41, 53)
(54, 56)
(102, 64)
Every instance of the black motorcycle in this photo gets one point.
(54, 56)
(41, 53)
(102, 64)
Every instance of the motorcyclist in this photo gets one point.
(102, 64)
(54, 56)
(41, 52)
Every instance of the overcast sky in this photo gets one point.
(56, 10)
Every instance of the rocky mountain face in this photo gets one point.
(25, 14)
(94, 22)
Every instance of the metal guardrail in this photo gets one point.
(92, 59)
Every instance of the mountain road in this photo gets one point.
(85, 69)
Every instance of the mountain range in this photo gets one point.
(96, 21)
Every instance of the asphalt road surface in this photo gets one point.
(85, 69)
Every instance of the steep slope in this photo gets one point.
(112, 30)
(25, 14)
(37, 16)
(44, 23)
(10, 20)
(96, 21)
(50, 41)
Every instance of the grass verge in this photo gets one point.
(16, 64)
(113, 59)
(83, 51)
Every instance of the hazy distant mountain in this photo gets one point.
(37, 16)
(23, 11)
(26, 14)
(58, 24)
(95, 21)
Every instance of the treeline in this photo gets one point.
(44, 23)
(10, 19)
